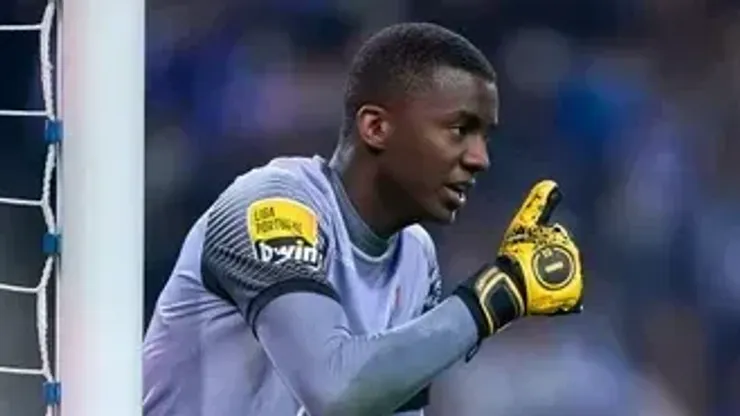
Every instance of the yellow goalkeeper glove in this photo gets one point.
(537, 270)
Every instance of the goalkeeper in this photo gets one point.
(309, 287)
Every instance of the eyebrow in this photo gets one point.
(475, 118)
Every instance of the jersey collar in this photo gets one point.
(359, 232)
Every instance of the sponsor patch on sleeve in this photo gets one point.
(283, 230)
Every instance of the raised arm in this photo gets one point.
(333, 372)
(264, 252)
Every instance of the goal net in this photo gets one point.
(48, 241)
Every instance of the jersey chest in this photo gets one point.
(378, 294)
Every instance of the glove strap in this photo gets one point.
(469, 298)
(493, 298)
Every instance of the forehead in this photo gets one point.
(455, 91)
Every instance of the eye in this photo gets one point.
(460, 131)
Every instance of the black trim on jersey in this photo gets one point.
(418, 402)
(284, 287)
(211, 283)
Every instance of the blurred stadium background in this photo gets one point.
(632, 105)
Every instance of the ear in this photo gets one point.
(374, 126)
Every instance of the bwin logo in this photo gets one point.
(296, 250)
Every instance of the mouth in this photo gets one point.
(457, 192)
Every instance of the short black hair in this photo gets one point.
(401, 57)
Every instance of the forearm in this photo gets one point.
(333, 372)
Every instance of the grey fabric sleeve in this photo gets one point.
(333, 372)
(431, 289)
(264, 238)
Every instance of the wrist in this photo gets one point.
(470, 300)
(493, 298)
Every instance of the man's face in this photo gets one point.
(439, 142)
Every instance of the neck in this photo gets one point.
(360, 182)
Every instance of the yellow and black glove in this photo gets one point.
(537, 270)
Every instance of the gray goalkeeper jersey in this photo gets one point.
(281, 228)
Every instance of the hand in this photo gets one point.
(537, 270)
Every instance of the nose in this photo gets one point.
(475, 158)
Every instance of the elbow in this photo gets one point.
(325, 402)
(331, 402)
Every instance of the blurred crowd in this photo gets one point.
(632, 106)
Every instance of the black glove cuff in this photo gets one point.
(501, 302)
(470, 299)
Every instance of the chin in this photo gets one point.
(441, 214)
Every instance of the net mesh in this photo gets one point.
(45, 204)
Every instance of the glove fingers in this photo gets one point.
(560, 229)
(576, 309)
(552, 200)
(537, 207)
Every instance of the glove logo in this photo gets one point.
(553, 267)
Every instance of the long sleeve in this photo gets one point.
(335, 373)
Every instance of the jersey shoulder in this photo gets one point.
(267, 235)
(285, 175)
(420, 236)
(298, 181)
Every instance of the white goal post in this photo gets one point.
(101, 206)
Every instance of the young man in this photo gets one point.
(308, 287)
